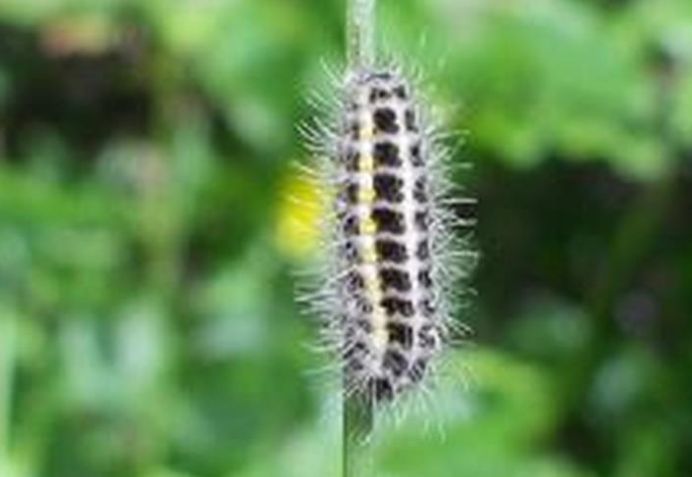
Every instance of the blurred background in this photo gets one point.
(148, 246)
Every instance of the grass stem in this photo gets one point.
(360, 34)
(357, 425)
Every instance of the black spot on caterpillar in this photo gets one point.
(379, 94)
(400, 92)
(391, 251)
(385, 121)
(395, 362)
(398, 306)
(351, 160)
(382, 389)
(388, 187)
(401, 334)
(350, 225)
(411, 125)
(417, 370)
(389, 220)
(416, 155)
(394, 279)
(423, 250)
(387, 154)
(350, 193)
(349, 251)
(422, 220)
(420, 192)
(424, 278)
(427, 337)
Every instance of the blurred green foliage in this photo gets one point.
(147, 320)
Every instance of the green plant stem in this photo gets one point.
(357, 425)
(360, 34)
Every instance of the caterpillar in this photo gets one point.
(384, 214)
(386, 293)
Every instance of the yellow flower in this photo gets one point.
(300, 208)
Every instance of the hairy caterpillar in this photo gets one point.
(386, 292)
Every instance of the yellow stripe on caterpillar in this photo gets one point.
(366, 195)
(367, 163)
(368, 227)
(369, 255)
